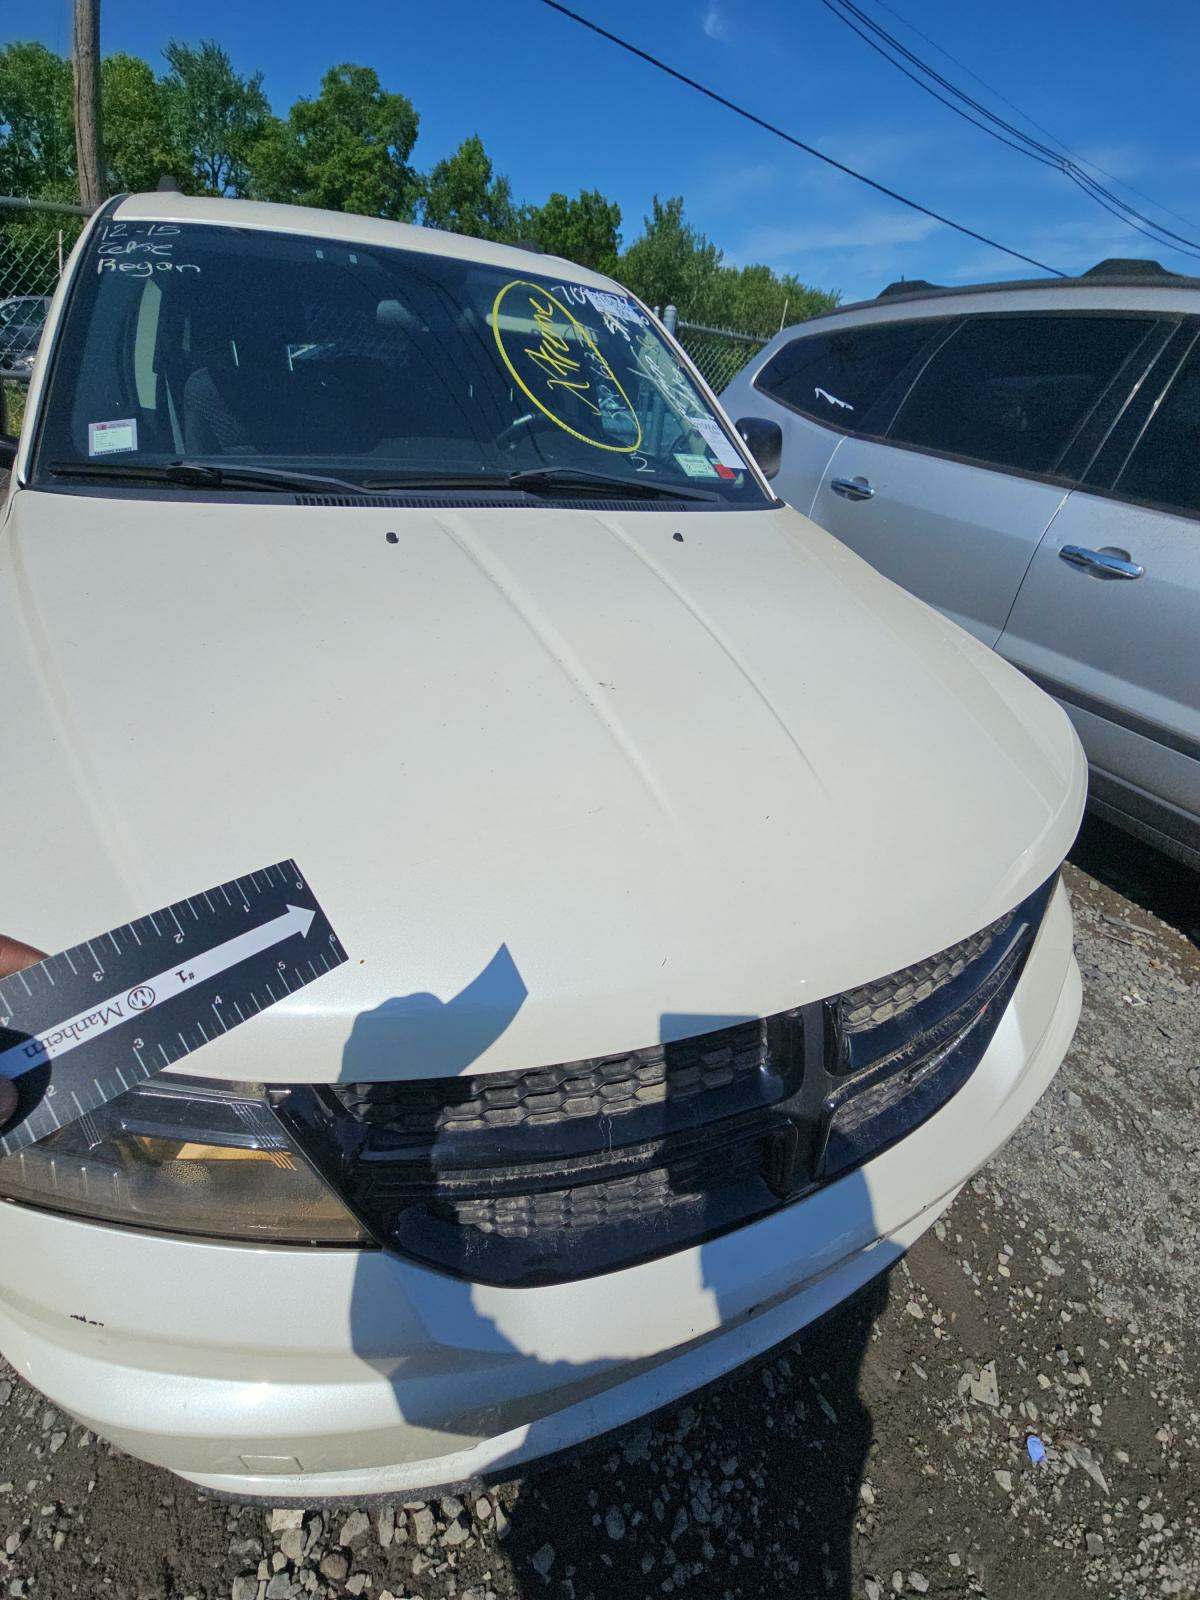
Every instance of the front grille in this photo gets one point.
(731, 1069)
(638, 1198)
(564, 1171)
(873, 1003)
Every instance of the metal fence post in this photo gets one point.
(670, 317)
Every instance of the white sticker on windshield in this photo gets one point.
(711, 431)
(105, 437)
(615, 305)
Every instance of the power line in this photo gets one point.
(1032, 121)
(760, 122)
(1064, 162)
(1023, 148)
(849, 13)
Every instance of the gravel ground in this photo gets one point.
(890, 1450)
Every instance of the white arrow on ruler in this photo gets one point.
(134, 1003)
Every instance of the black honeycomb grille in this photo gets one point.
(874, 1003)
(565, 1171)
(732, 1063)
(684, 1186)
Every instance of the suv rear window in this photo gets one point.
(1165, 466)
(837, 376)
(1013, 390)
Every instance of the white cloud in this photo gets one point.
(1120, 161)
(712, 22)
(731, 187)
(869, 231)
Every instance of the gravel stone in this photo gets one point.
(355, 1529)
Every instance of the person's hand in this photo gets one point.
(13, 956)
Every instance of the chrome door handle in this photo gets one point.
(852, 488)
(1105, 563)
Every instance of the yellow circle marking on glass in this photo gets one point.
(552, 355)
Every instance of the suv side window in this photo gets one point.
(836, 377)
(1012, 391)
(1165, 465)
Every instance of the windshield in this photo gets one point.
(236, 348)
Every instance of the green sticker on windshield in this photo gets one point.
(558, 364)
(697, 466)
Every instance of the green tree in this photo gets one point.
(754, 300)
(216, 115)
(670, 263)
(37, 135)
(139, 142)
(586, 229)
(347, 150)
(463, 195)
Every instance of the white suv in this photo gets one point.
(700, 888)
(1026, 457)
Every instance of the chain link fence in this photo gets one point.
(35, 239)
(720, 353)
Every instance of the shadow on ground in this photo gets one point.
(750, 1489)
(1141, 873)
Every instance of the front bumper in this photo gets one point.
(306, 1374)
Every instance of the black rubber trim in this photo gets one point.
(1139, 814)
(1117, 715)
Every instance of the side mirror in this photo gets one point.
(764, 440)
(8, 453)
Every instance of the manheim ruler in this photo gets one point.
(83, 1026)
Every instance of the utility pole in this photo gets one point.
(88, 145)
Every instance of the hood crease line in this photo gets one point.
(715, 633)
(556, 647)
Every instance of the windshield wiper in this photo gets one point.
(548, 478)
(534, 480)
(202, 475)
(543, 480)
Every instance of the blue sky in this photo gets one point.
(561, 109)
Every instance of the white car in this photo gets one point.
(700, 887)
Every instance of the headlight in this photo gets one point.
(183, 1156)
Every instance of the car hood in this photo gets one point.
(566, 782)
